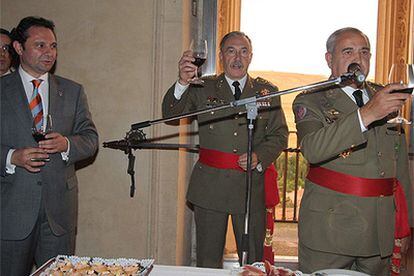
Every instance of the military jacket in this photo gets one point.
(226, 131)
(330, 136)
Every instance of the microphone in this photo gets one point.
(131, 140)
(119, 145)
(354, 73)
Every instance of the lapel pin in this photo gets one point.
(60, 92)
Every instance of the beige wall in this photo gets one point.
(125, 53)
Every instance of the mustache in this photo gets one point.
(237, 63)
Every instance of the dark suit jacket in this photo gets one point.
(226, 130)
(21, 192)
(330, 136)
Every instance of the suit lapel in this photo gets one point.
(223, 89)
(18, 100)
(55, 96)
(342, 102)
(248, 90)
(369, 91)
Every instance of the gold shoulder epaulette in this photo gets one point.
(210, 77)
(263, 81)
(374, 86)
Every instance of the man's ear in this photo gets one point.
(221, 56)
(18, 47)
(328, 58)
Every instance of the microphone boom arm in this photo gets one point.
(321, 84)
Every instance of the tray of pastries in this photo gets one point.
(79, 266)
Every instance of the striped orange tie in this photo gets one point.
(36, 105)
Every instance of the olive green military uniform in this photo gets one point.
(223, 191)
(331, 222)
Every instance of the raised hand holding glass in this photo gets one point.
(199, 49)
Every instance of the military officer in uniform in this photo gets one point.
(217, 186)
(358, 168)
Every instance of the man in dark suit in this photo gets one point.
(358, 182)
(39, 190)
(217, 186)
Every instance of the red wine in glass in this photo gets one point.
(199, 48)
(198, 61)
(39, 134)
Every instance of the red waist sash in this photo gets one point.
(369, 187)
(224, 160)
(349, 184)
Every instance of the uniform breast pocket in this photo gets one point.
(262, 120)
(392, 142)
(393, 131)
(340, 213)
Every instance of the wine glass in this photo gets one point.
(39, 133)
(401, 73)
(199, 48)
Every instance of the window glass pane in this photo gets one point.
(290, 36)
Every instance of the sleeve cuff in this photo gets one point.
(361, 124)
(179, 90)
(65, 155)
(259, 167)
(10, 168)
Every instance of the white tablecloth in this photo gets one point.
(163, 270)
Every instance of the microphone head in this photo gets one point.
(355, 70)
(353, 67)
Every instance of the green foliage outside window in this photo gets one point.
(291, 170)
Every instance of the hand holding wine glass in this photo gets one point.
(39, 132)
(199, 49)
(404, 74)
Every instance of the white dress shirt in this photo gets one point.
(349, 90)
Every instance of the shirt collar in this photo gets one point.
(26, 77)
(349, 90)
(242, 81)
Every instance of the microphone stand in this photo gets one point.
(251, 107)
(251, 116)
(138, 142)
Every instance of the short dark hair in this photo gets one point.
(232, 34)
(20, 32)
(5, 32)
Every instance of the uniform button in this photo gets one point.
(212, 112)
(379, 154)
(211, 127)
(39, 183)
(235, 134)
(234, 150)
(382, 173)
(236, 117)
